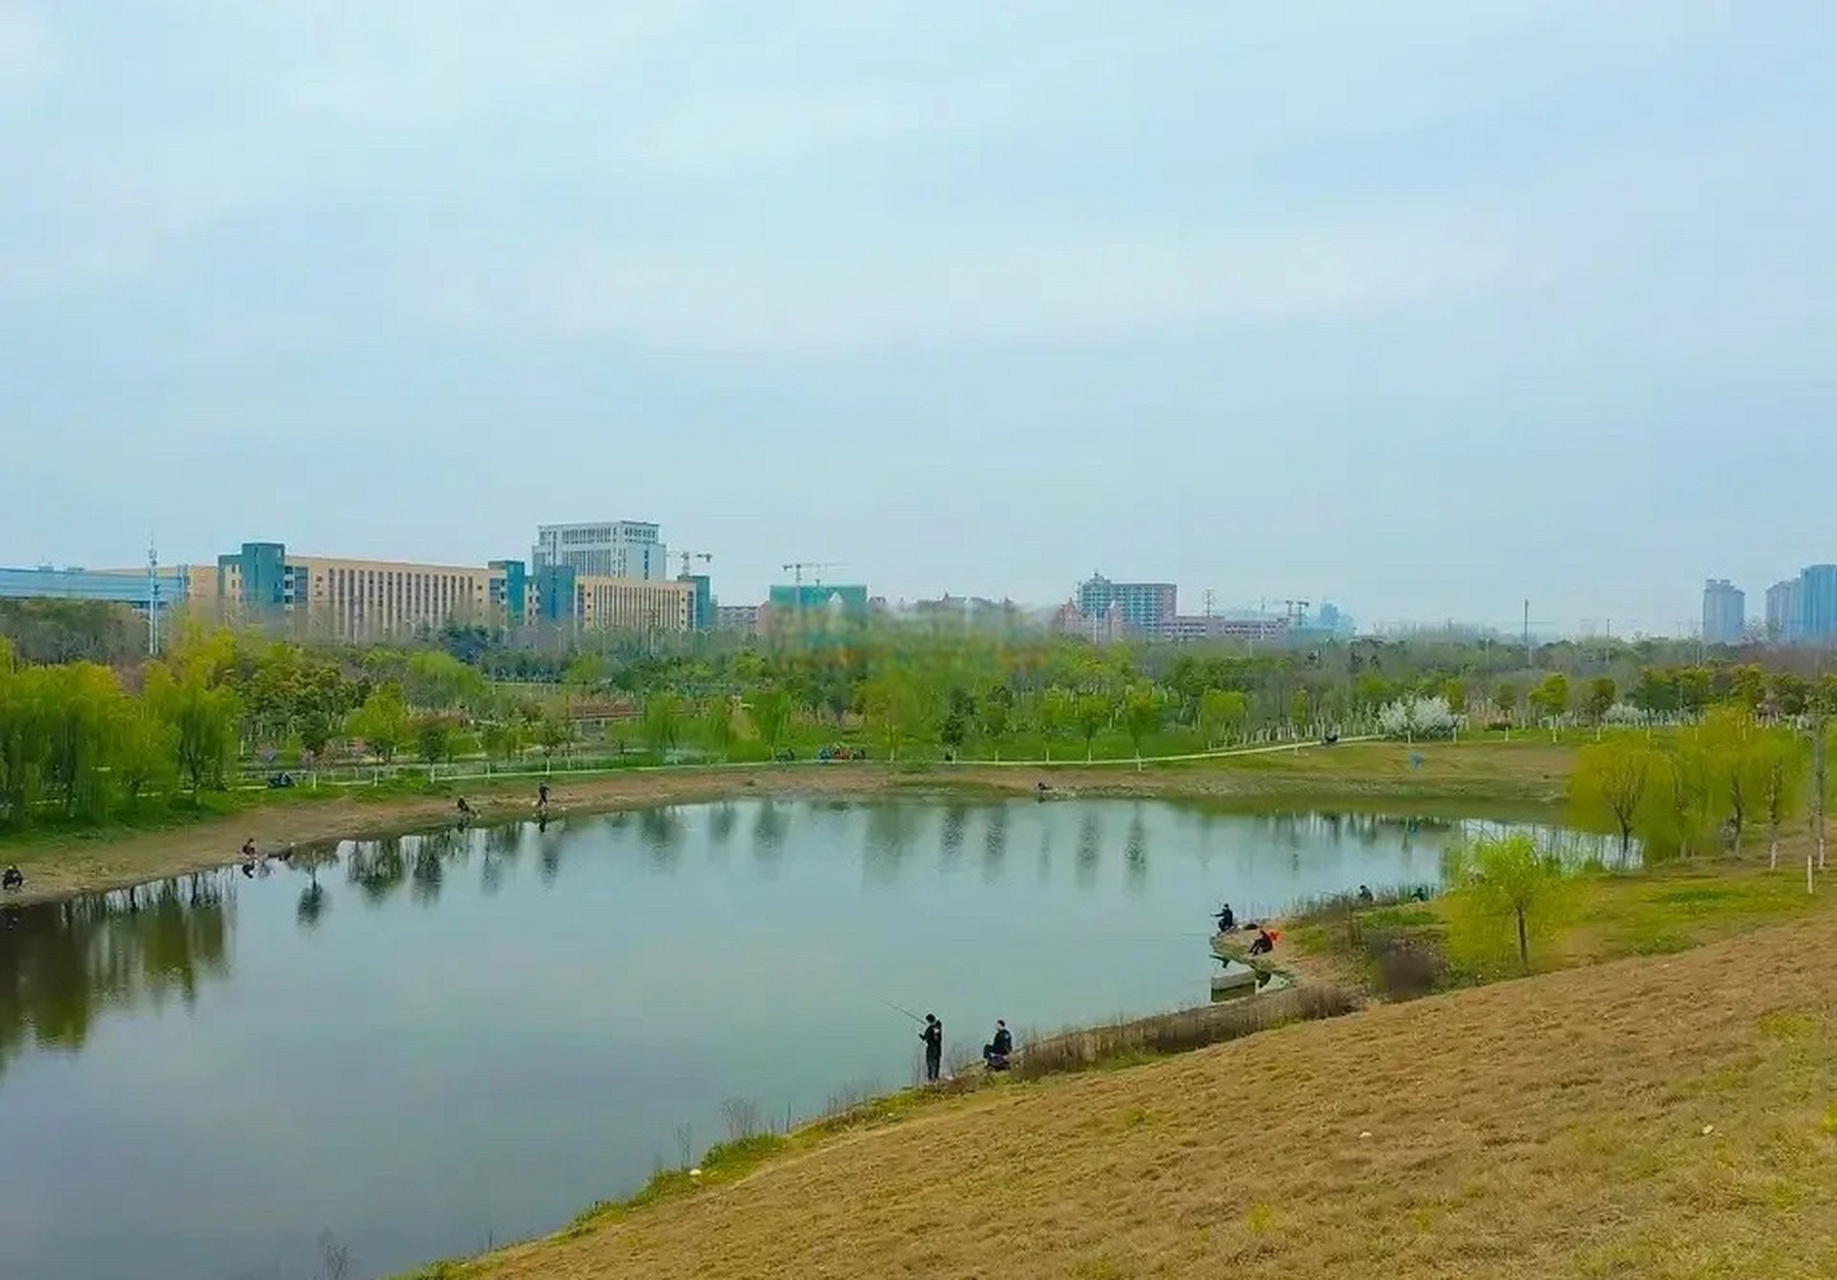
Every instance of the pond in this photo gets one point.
(434, 1043)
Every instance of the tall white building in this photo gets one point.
(607, 549)
(1725, 612)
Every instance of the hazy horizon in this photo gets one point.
(1423, 315)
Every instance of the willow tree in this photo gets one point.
(1781, 760)
(1505, 881)
(1610, 784)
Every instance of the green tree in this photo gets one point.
(203, 719)
(1551, 698)
(1504, 880)
(718, 725)
(662, 722)
(995, 713)
(892, 703)
(433, 735)
(1730, 741)
(1092, 713)
(1677, 810)
(145, 753)
(770, 712)
(1610, 784)
(1222, 715)
(1454, 693)
(1781, 763)
(1599, 699)
(383, 721)
(1505, 698)
(554, 732)
(1142, 716)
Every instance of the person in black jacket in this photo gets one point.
(13, 880)
(933, 1036)
(995, 1052)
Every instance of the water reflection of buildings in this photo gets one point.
(64, 964)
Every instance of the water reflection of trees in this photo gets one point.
(662, 830)
(1090, 842)
(889, 840)
(1135, 852)
(951, 833)
(770, 825)
(995, 842)
(63, 964)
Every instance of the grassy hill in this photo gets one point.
(1667, 1116)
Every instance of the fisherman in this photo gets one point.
(995, 1052)
(1365, 893)
(542, 798)
(465, 810)
(1227, 919)
(1265, 943)
(248, 849)
(933, 1036)
(13, 879)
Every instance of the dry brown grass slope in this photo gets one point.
(1549, 1127)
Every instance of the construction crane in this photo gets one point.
(703, 556)
(796, 569)
(1297, 610)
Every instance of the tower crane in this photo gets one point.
(796, 569)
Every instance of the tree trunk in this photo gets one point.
(1773, 851)
(1524, 945)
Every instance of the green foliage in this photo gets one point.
(1142, 715)
(203, 717)
(1610, 784)
(1223, 714)
(1504, 892)
(383, 721)
(1600, 698)
(718, 726)
(433, 735)
(771, 715)
(662, 722)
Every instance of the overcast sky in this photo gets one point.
(1422, 307)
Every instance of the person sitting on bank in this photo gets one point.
(1365, 893)
(1265, 943)
(997, 1051)
(248, 849)
(465, 810)
(13, 880)
(1227, 919)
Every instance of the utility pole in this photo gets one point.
(152, 600)
(1208, 599)
(1528, 664)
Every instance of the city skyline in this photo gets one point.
(1428, 314)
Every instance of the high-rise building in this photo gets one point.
(606, 549)
(1145, 607)
(1783, 611)
(1724, 612)
(1817, 612)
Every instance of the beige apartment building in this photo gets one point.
(631, 604)
(348, 599)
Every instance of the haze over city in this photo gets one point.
(1425, 314)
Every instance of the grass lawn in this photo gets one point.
(1668, 1117)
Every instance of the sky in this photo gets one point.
(1427, 308)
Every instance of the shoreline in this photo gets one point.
(74, 865)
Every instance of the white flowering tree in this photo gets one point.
(1413, 719)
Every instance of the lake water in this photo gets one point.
(436, 1042)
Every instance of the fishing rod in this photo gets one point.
(902, 1009)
